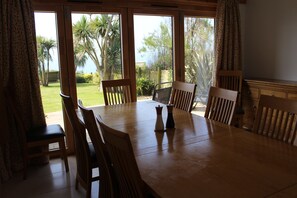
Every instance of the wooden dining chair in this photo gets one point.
(277, 118)
(221, 105)
(124, 163)
(38, 138)
(162, 92)
(85, 154)
(182, 95)
(232, 80)
(117, 91)
(107, 185)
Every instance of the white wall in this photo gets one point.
(270, 39)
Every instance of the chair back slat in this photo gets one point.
(277, 118)
(221, 105)
(182, 95)
(117, 91)
(124, 164)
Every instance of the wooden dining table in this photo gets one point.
(201, 157)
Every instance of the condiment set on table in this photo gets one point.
(159, 126)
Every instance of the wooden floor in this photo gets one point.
(47, 181)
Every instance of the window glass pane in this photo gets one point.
(153, 52)
(199, 57)
(49, 67)
(97, 53)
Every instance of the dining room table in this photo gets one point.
(200, 157)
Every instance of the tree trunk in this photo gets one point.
(43, 75)
(46, 82)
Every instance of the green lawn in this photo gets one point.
(88, 93)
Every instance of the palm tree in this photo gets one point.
(107, 32)
(48, 45)
(99, 38)
(44, 46)
(40, 56)
(83, 36)
(80, 57)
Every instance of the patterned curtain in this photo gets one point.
(18, 77)
(227, 36)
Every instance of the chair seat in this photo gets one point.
(45, 133)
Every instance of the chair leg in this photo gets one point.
(88, 190)
(64, 154)
(76, 183)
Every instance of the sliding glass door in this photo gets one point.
(97, 53)
(49, 65)
(153, 44)
(199, 56)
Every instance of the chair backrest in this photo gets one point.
(182, 95)
(117, 91)
(221, 105)
(230, 80)
(106, 179)
(82, 150)
(277, 118)
(122, 157)
(162, 92)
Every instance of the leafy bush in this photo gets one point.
(96, 78)
(144, 87)
(84, 78)
(80, 78)
(88, 77)
(142, 71)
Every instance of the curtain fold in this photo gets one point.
(227, 36)
(18, 77)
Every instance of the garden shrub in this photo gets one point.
(84, 78)
(96, 78)
(144, 87)
(88, 77)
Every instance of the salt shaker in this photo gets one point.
(159, 126)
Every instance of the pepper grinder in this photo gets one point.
(170, 121)
(159, 126)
